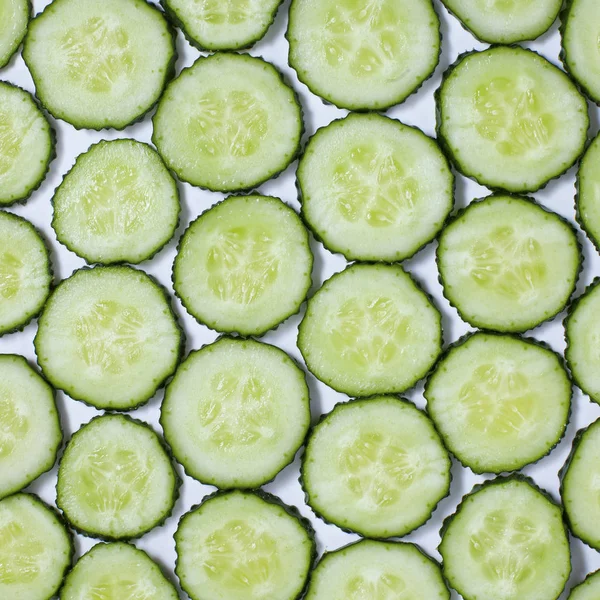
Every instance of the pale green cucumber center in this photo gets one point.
(13, 134)
(224, 12)
(388, 586)
(121, 586)
(11, 268)
(505, 6)
(21, 555)
(13, 425)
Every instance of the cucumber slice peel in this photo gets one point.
(587, 199)
(14, 18)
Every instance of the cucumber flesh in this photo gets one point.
(588, 589)
(588, 197)
(14, 17)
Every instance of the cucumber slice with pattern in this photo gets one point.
(588, 192)
(99, 63)
(229, 122)
(510, 119)
(588, 589)
(375, 466)
(14, 18)
(507, 540)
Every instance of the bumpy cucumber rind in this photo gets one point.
(17, 44)
(578, 216)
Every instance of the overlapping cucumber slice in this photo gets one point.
(588, 188)
(14, 18)
(588, 589)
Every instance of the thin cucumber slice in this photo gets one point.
(108, 337)
(361, 55)
(222, 24)
(508, 264)
(370, 570)
(588, 192)
(244, 546)
(499, 402)
(370, 330)
(118, 203)
(117, 571)
(375, 466)
(25, 272)
(30, 432)
(588, 589)
(227, 123)
(26, 144)
(100, 63)
(14, 18)
(374, 189)
(507, 540)
(510, 119)
(244, 265)
(236, 413)
(116, 479)
(36, 549)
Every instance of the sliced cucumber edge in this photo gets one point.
(11, 52)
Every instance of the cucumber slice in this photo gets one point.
(499, 402)
(14, 18)
(587, 200)
(119, 203)
(30, 433)
(588, 589)
(244, 265)
(236, 413)
(509, 119)
(373, 188)
(361, 55)
(375, 466)
(508, 264)
(222, 25)
(100, 63)
(36, 549)
(370, 330)
(229, 122)
(115, 479)
(26, 144)
(507, 540)
(244, 546)
(117, 571)
(108, 337)
(370, 570)
(25, 272)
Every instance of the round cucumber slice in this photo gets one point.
(26, 144)
(244, 265)
(370, 570)
(499, 402)
(100, 63)
(244, 546)
(115, 479)
(117, 571)
(108, 337)
(25, 272)
(370, 330)
(118, 203)
(510, 119)
(508, 264)
(374, 189)
(507, 540)
(588, 589)
(363, 56)
(588, 192)
(36, 549)
(227, 123)
(376, 467)
(14, 18)
(236, 413)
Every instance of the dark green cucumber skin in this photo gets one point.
(581, 584)
(177, 483)
(292, 511)
(137, 404)
(19, 42)
(578, 215)
(347, 254)
(169, 74)
(329, 520)
(447, 149)
(120, 261)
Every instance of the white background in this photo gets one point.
(418, 110)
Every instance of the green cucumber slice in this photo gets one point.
(229, 122)
(507, 540)
(508, 264)
(236, 413)
(116, 479)
(373, 188)
(370, 330)
(363, 56)
(244, 546)
(36, 549)
(499, 402)
(375, 466)
(588, 589)
(117, 571)
(118, 203)
(587, 200)
(100, 63)
(244, 265)
(25, 272)
(14, 18)
(370, 570)
(510, 119)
